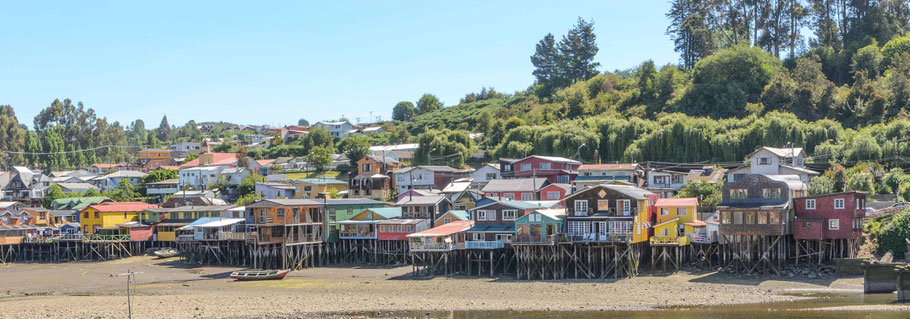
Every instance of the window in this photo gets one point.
(620, 227)
(579, 228)
(508, 196)
(833, 224)
(762, 218)
(295, 213)
(506, 238)
(764, 161)
(366, 167)
(603, 205)
(553, 195)
(626, 206)
(774, 218)
(739, 193)
(475, 236)
(526, 167)
(481, 215)
(738, 177)
(677, 179)
(725, 218)
(446, 220)
(491, 176)
(750, 218)
(810, 204)
(527, 196)
(581, 208)
(664, 212)
(661, 180)
(665, 232)
(509, 214)
(280, 213)
(507, 168)
(85, 215)
(770, 192)
(738, 218)
(562, 179)
(97, 214)
(838, 203)
(681, 211)
(545, 166)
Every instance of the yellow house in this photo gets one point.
(675, 221)
(153, 153)
(452, 216)
(310, 188)
(95, 217)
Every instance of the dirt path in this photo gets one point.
(167, 289)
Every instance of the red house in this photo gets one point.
(555, 169)
(399, 229)
(555, 191)
(829, 216)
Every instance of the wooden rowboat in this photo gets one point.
(260, 274)
(166, 253)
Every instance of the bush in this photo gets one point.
(893, 236)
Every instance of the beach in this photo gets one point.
(169, 288)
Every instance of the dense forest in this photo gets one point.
(832, 76)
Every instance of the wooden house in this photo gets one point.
(372, 178)
(609, 214)
(553, 168)
(452, 216)
(829, 225)
(400, 228)
(363, 225)
(13, 234)
(525, 189)
(426, 207)
(316, 187)
(539, 227)
(422, 177)
(138, 231)
(555, 191)
(675, 221)
(343, 209)
(494, 224)
(619, 174)
(110, 215)
(287, 221)
(221, 230)
(441, 238)
(466, 199)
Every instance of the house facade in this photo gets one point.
(525, 189)
(829, 216)
(181, 150)
(555, 169)
(317, 187)
(338, 129)
(759, 205)
(288, 221)
(422, 177)
(425, 207)
(494, 224)
(539, 227)
(774, 161)
(675, 221)
(371, 179)
(153, 154)
(609, 213)
(596, 174)
(343, 209)
(106, 215)
(485, 174)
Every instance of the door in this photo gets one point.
(602, 231)
(549, 230)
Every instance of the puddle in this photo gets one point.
(821, 305)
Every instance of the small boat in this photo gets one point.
(260, 274)
(166, 253)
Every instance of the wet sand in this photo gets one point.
(170, 289)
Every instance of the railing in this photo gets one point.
(184, 238)
(534, 240)
(670, 240)
(94, 237)
(702, 238)
(483, 244)
(226, 235)
(252, 237)
(610, 211)
(593, 237)
(437, 246)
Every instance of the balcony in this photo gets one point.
(431, 247)
(600, 238)
(96, 237)
(184, 238)
(483, 244)
(669, 241)
(702, 238)
(534, 240)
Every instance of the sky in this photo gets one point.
(274, 62)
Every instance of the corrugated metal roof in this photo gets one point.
(445, 230)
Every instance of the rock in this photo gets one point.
(813, 276)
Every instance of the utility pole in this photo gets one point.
(129, 277)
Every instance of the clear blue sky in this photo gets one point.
(265, 62)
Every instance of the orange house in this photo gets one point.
(287, 221)
(371, 179)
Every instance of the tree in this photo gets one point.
(12, 137)
(164, 130)
(548, 64)
(821, 185)
(54, 192)
(578, 48)
(52, 144)
(319, 157)
(248, 199)
(428, 103)
(724, 82)
(450, 148)
(303, 122)
(867, 60)
(248, 184)
(319, 136)
(689, 31)
(125, 192)
(403, 111)
(893, 236)
(159, 175)
(708, 194)
(355, 147)
(894, 49)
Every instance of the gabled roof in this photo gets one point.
(800, 169)
(515, 185)
(667, 222)
(781, 152)
(630, 191)
(265, 162)
(77, 203)
(676, 202)
(421, 200)
(165, 182)
(122, 206)
(321, 181)
(608, 167)
(564, 186)
(555, 214)
(555, 159)
(125, 174)
(386, 159)
(385, 212)
(456, 187)
(460, 214)
(285, 202)
(352, 201)
(445, 230)
(217, 159)
(521, 204)
(79, 187)
(432, 168)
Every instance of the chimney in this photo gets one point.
(206, 158)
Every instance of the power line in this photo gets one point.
(72, 152)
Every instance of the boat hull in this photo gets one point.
(259, 275)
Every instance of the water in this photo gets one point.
(802, 309)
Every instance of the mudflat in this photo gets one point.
(171, 289)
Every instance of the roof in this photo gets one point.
(285, 202)
(421, 200)
(492, 228)
(221, 223)
(782, 152)
(520, 204)
(386, 159)
(445, 230)
(122, 206)
(155, 150)
(386, 212)
(668, 222)
(630, 191)
(460, 214)
(793, 181)
(398, 147)
(7, 204)
(265, 162)
(125, 174)
(321, 181)
(194, 208)
(800, 169)
(62, 213)
(275, 185)
(608, 167)
(555, 159)
(352, 201)
(456, 187)
(514, 185)
(675, 202)
(401, 221)
(830, 194)
(203, 220)
(426, 167)
(77, 186)
(552, 213)
(696, 223)
(105, 165)
(165, 182)
(217, 159)
(423, 192)
(77, 203)
(564, 186)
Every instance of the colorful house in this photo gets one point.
(553, 168)
(539, 227)
(108, 215)
(441, 238)
(426, 207)
(452, 216)
(344, 209)
(363, 225)
(288, 221)
(371, 179)
(675, 221)
(609, 213)
(153, 154)
(494, 224)
(317, 187)
(515, 189)
(829, 216)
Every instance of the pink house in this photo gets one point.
(515, 189)
(829, 216)
(399, 229)
(555, 169)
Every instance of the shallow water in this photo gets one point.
(803, 309)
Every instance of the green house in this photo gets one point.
(343, 209)
(539, 227)
(77, 203)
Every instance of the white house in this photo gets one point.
(199, 177)
(183, 149)
(774, 161)
(112, 181)
(274, 190)
(422, 177)
(338, 129)
(485, 174)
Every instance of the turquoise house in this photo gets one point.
(539, 227)
(343, 209)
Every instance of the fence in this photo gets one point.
(482, 244)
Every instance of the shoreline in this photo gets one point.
(170, 289)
